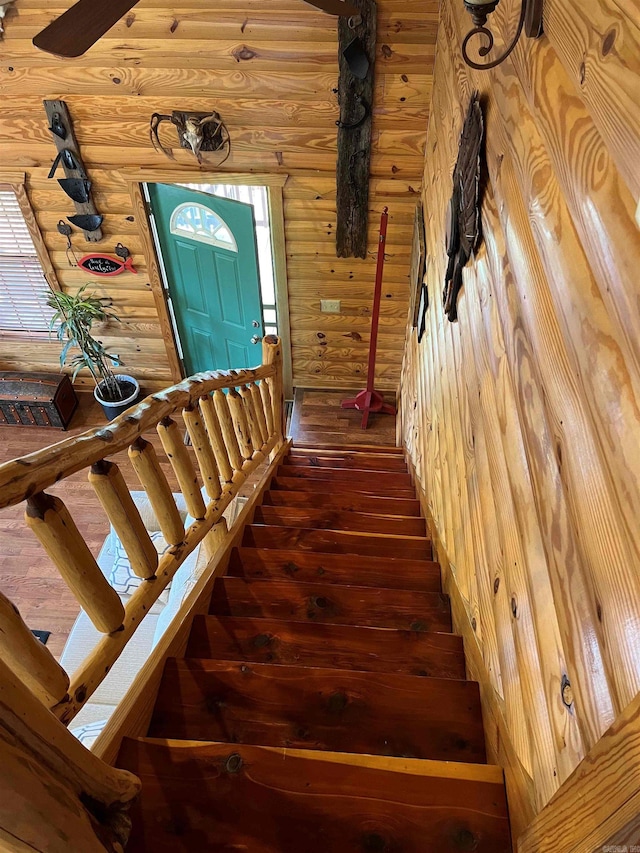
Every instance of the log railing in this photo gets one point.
(234, 420)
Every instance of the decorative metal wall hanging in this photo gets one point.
(89, 222)
(530, 20)
(418, 264)
(463, 215)
(78, 189)
(66, 231)
(423, 305)
(75, 183)
(197, 132)
(356, 58)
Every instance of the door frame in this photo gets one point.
(274, 183)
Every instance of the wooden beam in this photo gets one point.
(355, 97)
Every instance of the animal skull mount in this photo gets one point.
(197, 132)
(4, 8)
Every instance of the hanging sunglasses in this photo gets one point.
(77, 189)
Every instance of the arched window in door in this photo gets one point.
(197, 222)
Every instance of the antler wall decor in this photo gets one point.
(197, 132)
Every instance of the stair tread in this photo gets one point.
(351, 501)
(314, 446)
(392, 479)
(336, 541)
(319, 708)
(294, 800)
(358, 570)
(339, 519)
(346, 461)
(333, 646)
(337, 604)
(304, 484)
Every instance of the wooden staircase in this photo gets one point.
(322, 704)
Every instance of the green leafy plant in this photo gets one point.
(74, 317)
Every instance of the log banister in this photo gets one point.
(37, 471)
(231, 434)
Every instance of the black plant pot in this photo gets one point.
(117, 407)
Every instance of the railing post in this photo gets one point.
(55, 794)
(272, 355)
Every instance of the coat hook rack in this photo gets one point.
(75, 182)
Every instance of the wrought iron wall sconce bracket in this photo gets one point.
(530, 21)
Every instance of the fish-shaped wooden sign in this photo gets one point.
(106, 265)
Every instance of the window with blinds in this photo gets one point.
(23, 287)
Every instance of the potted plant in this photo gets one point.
(74, 316)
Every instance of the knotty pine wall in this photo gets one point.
(270, 68)
(523, 418)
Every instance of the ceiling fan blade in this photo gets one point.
(80, 27)
(342, 8)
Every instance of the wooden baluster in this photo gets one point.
(178, 455)
(240, 425)
(145, 464)
(202, 448)
(111, 489)
(267, 406)
(257, 405)
(28, 658)
(220, 451)
(228, 433)
(272, 355)
(252, 418)
(51, 522)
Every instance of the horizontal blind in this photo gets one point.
(23, 287)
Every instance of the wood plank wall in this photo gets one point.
(270, 68)
(523, 418)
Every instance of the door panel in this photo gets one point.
(209, 250)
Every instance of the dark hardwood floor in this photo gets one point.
(317, 418)
(27, 575)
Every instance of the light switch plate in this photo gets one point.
(330, 306)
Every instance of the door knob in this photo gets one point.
(256, 339)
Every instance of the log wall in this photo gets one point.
(523, 418)
(271, 70)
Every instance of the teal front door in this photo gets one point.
(210, 258)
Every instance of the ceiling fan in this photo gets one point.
(80, 27)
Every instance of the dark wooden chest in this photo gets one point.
(36, 399)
